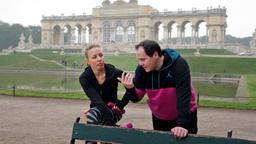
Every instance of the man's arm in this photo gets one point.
(121, 77)
(135, 87)
(183, 91)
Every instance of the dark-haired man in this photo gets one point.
(165, 77)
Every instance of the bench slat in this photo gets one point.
(138, 136)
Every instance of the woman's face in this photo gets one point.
(95, 58)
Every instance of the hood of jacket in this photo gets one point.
(173, 56)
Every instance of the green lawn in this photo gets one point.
(128, 62)
(215, 89)
(24, 61)
(49, 55)
(40, 81)
(251, 83)
(47, 94)
(222, 65)
(205, 51)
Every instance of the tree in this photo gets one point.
(4, 32)
(10, 34)
(36, 34)
(244, 41)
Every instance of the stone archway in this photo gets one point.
(100, 26)
(56, 35)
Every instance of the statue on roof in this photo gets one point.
(21, 44)
(119, 2)
(133, 1)
(105, 3)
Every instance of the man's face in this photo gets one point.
(147, 62)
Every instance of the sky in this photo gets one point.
(241, 18)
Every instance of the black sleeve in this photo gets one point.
(140, 80)
(139, 83)
(90, 91)
(125, 99)
(132, 95)
(183, 91)
(118, 72)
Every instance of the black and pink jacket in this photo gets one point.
(170, 92)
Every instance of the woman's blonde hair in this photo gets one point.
(89, 48)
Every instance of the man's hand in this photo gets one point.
(179, 132)
(127, 80)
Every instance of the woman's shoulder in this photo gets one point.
(107, 65)
(87, 72)
(111, 67)
(112, 71)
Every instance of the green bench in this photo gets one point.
(138, 136)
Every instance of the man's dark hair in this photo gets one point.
(150, 47)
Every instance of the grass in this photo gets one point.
(49, 55)
(47, 94)
(128, 62)
(222, 65)
(39, 81)
(205, 51)
(24, 61)
(125, 62)
(251, 83)
(216, 89)
(251, 104)
(229, 105)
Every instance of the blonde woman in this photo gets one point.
(100, 83)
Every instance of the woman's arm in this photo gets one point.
(96, 99)
(90, 91)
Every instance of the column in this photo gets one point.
(61, 37)
(182, 36)
(125, 37)
(178, 34)
(196, 35)
(155, 33)
(73, 37)
(207, 35)
(112, 34)
(90, 35)
(79, 41)
(192, 34)
(50, 37)
(165, 34)
(83, 36)
(222, 36)
(170, 36)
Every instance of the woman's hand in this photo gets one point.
(127, 80)
(116, 109)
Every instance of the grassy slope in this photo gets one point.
(24, 61)
(129, 62)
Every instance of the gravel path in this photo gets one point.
(26, 120)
